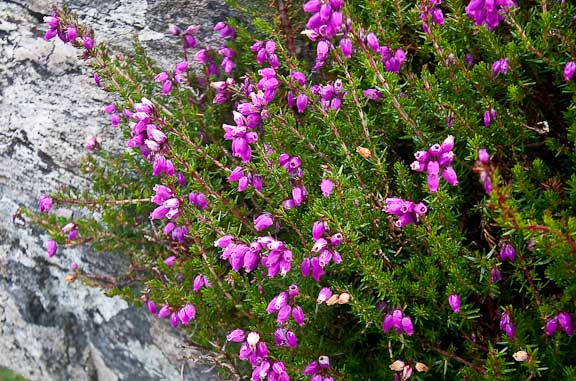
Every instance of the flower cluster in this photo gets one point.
(392, 59)
(500, 66)
(284, 337)
(182, 316)
(249, 115)
(483, 166)
(326, 21)
(488, 12)
(372, 94)
(507, 253)
(256, 352)
(271, 253)
(167, 204)
(507, 325)
(292, 165)
(301, 100)
(431, 10)
(437, 160)
(198, 200)
(318, 369)
(325, 246)
(265, 52)
(331, 95)
(223, 90)
(92, 142)
(407, 211)
(114, 116)
(399, 321)
(66, 33)
(188, 37)
(147, 135)
(245, 179)
(201, 281)
(168, 80)
(325, 295)
(489, 116)
(168, 207)
(225, 31)
(284, 305)
(562, 320)
(71, 229)
(204, 57)
(227, 63)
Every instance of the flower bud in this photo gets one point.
(454, 301)
(324, 295)
(521, 356)
(569, 70)
(253, 339)
(397, 366)
(332, 300)
(565, 322)
(344, 298)
(421, 367)
(51, 247)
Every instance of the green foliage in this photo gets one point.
(8, 375)
(365, 148)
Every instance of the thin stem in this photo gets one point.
(386, 86)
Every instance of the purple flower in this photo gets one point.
(51, 247)
(166, 87)
(326, 186)
(164, 311)
(495, 275)
(507, 253)
(565, 322)
(346, 47)
(372, 42)
(301, 102)
(569, 70)
(311, 369)
(151, 306)
(398, 321)
(88, 43)
(483, 156)
(225, 30)
(236, 336)
(324, 295)
(263, 221)
(506, 324)
(500, 66)
(372, 94)
(436, 160)
(44, 203)
(551, 326)
(72, 33)
(407, 325)
(298, 315)
(170, 261)
(450, 176)
(488, 12)
(454, 301)
(489, 116)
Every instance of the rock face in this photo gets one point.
(51, 330)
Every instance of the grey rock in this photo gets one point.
(49, 329)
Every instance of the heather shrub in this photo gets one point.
(350, 190)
